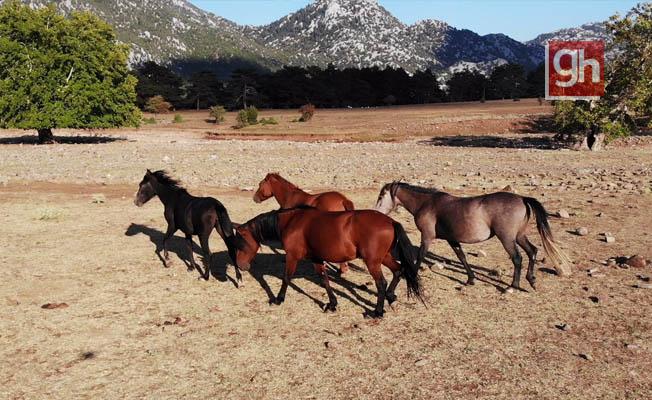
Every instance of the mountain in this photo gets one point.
(345, 33)
(172, 31)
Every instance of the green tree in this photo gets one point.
(252, 115)
(507, 81)
(62, 73)
(628, 92)
(218, 112)
(154, 80)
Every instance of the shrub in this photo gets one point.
(157, 105)
(268, 121)
(150, 121)
(51, 214)
(252, 115)
(177, 119)
(306, 111)
(614, 130)
(242, 118)
(218, 112)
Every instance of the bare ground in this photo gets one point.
(134, 329)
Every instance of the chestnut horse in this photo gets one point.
(193, 215)
(288, 195)
(336, 236)
(473, 220)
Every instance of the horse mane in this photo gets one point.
(165, 179)
(414, 188)
(278, 176)
(265, 226)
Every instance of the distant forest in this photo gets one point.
(291, 87)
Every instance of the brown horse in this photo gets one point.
(288, 195)
(473, 220)
(340, 236)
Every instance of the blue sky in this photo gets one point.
(519, 19)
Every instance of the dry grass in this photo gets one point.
(134, 329)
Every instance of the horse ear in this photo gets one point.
(148, 172)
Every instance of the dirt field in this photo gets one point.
(135, 329)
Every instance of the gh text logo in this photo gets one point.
(574, 70)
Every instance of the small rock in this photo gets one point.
(582, 231)
(612, 263)
(421, 363)
(563, 214)
(587, 357)
(439, 265)
(330, 345)
(482, 253)
(644, 286)
(636, 261)
(509, 189)
(509, 290)
(609, 239)
(52, 306)
(246, 188)
(563, 327)
(601, 214)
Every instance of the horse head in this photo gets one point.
(145, 189)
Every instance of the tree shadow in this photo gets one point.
(534, 124)
(89, 139)
(177, 246)
(487, 141)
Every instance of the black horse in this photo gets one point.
(193, 215)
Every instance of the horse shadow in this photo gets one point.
(264, 265)
(482, 274)
(177, 246)
(267, 265)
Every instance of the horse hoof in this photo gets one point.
(532, 284)
(374, 315)
(168, 263)
(391, 298)
(470, 283)
(239, 284)
(191, 268)
(330, 308)
(276, 302)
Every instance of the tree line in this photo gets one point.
(291, 87)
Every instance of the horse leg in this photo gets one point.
(457, 247)
(190, 252)
(390, 262)
(381, 286)
(238, 275)
(203, 239)
(517, 260)
(423, 250)
(332, 300)
(168, 235)
(290, 267)
(531, 251)
(343, 268)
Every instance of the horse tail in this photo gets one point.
(223, 219)
(408, 261)
(560, 260)
(348, 205)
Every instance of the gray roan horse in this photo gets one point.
(193, 215)
(473, 220)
